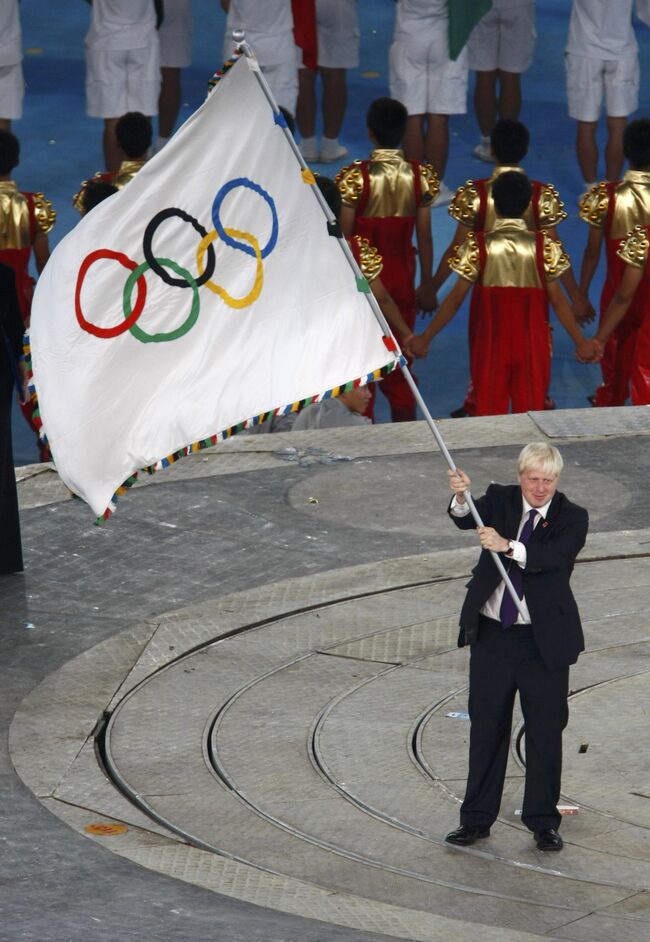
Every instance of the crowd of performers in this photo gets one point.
(507, 250)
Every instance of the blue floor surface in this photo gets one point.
(61, 147)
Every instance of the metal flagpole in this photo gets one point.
(238, 36)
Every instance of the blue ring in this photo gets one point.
(223, 235)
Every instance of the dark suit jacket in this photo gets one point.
(550, 555)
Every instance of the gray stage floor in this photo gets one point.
(264, 638)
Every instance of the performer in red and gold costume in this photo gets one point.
(371, 264)
(473, 209)
(386, 199)
(515, 272)
(612, 210)
(25, 221)
(134, 135)
(633, 289)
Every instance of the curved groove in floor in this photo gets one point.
(336, 763)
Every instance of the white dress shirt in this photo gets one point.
(492, 607)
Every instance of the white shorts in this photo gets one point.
(425, 79)
(121, 80)
(588, 80)
(503, 39)
(283, 82)
(12, 90)
(337, 23)
(176, 35)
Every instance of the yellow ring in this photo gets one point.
(255, 291)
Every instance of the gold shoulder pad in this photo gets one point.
(464, 206)
(78, 198)
(592, 206)
(550, 208)
(429, 184)
(370, 261)
(465, 260)
(556, 261)
(350, 183)
(45, 215)
(634, 249)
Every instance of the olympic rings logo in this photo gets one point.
(166, 269)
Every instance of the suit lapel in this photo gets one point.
(514, 512)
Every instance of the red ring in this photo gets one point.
(107, 332)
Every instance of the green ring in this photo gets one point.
(186, 326)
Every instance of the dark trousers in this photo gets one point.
(502, 662)
(11, 556)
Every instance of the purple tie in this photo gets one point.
(509, 612)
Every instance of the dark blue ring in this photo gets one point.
(223, 235)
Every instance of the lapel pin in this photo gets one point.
(544, 523)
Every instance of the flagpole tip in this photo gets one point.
(238, 35)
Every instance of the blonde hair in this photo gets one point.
(540, 456)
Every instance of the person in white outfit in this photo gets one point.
(122, 65)
(500, 48)
(175, 36)
(337, 26)
(602, 61)
(430, 84)
(269, 32)
(12, 86)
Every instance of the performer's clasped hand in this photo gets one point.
(419, 346)
(590, 350)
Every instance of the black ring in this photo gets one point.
(147, 249)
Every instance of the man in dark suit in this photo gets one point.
(539, 533)
(11, 336)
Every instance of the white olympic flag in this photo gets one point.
(202, 295)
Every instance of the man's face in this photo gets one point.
(537, 486)
(357, 399)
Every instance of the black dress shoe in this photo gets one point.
(464, 836)
(548, 839)
(458, 413)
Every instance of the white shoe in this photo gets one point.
(484, 152)
(331, 150)
(309, 149)
(445, 195)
